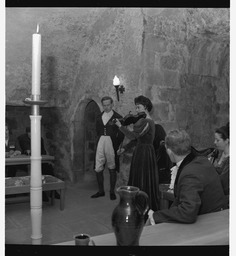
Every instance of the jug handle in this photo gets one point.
(142, 205)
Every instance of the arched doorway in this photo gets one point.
(90, 137)
(84, 140)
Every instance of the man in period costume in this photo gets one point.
(25, 143)
(109, 140)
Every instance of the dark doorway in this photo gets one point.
(84, 140)
(90, 138)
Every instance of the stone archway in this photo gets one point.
(84, 140)
(90, 137)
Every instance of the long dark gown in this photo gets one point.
(143, 169)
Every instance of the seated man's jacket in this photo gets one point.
(197, 190)
(25, 144)
(9, 146)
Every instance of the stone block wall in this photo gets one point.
(178, 57)
(186, 67)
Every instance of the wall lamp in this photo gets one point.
(119, 88)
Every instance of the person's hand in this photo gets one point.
(11, 153)
(130, 127)
(120, 151)
(14, 153)
(148, 222)
(17, 152)
(117, 122)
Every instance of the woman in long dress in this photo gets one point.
(143, 169)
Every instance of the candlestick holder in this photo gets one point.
(36, 172)
(36, 102)
(119, 89)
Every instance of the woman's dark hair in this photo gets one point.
(143, 101)
(223, 131)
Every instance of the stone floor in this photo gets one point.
(82, 214)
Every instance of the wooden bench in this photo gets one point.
(21, 185)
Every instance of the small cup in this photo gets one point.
(83, 240)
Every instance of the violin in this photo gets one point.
(130, 118)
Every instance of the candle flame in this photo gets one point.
(116, 81)
(37, 31)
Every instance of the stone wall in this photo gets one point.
(187, 67)
(177, 57)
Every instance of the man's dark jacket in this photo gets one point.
(25, 144)
(12, 142)
(197, 191)
(112, 130)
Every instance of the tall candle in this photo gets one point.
(36, 62)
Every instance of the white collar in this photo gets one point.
(179, 163)
(108, 113)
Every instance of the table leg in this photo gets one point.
(62, 199)
(52, 197)
(28, 169)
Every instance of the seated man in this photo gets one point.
(11, 150)
(25, 144)
(197, 187)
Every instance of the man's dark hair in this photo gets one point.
(107, 98)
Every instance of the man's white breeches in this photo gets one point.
(105, 154)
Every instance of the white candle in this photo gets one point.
(36, 62)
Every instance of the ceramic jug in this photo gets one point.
(128, 217)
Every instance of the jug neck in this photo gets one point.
(127, 194)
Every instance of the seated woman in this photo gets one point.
(222, 163)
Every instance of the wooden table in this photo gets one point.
(21, 185)
(24, 159)
(209, 229)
